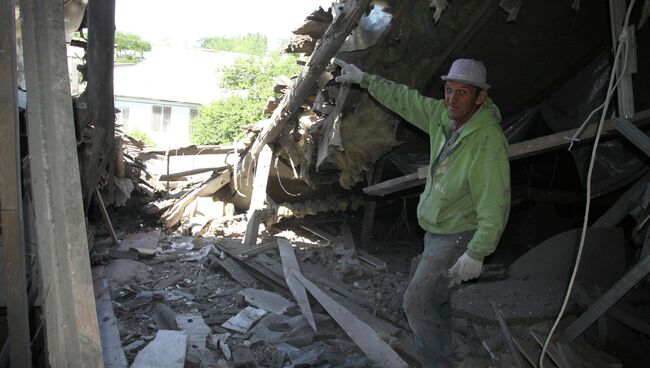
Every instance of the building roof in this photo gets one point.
(174, 74)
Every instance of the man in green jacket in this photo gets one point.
(466, 201)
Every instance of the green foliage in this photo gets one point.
(256, 74)
(130, 47)
(138, 134)
(252, 43)
(220, 122)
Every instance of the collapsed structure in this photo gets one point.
(332, 157)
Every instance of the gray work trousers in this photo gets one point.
(426, 300)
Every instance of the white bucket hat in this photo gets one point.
(468, 71)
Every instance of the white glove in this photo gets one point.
(465, 268)
(349, 72)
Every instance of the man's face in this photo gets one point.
(462, 100)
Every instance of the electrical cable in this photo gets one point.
(623, 38)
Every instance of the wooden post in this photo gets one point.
(259, 195)
(11, 194)
(97, 154)
(72, 333)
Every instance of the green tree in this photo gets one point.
(256, 74)
(221, 121)
(130, 47)
(252, 43)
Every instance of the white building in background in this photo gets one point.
(159, 95)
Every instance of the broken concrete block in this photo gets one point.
(167, 350)
(220, 341)
(197, 331)
(144, 243)
(269, 301)
(244, 320)
(199, 254)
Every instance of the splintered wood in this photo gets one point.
(173, 215)
(363, 335)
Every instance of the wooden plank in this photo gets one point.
(11, 195)
(258, 196)
(507, 335)
(238, 273)
(173, 215)
(363, 335)
(107, 219)
(515, 151)
(112, 350)
(637, 273)
(289, 264)
(194, 150)
(66, 290)
(252, 228)
(261, 179)
(182, 174)
(559, 140)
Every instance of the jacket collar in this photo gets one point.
(485, 115)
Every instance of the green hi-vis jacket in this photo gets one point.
(471, 187)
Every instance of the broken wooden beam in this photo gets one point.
(515, 151)
(329, 45)
(258, 195)
(11, 196)
(363, 335)
(194, 150)
(289, 264)
(173, 215)
(66, 289)
(637, 273)
(562, 139)
(107, 219)
(182, 174)
(507, 335)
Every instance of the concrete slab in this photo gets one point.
(244, 320)
(269, 301)
(167, 350)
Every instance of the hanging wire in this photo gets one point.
(623, 39)
(277, 172)
(576, 137)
